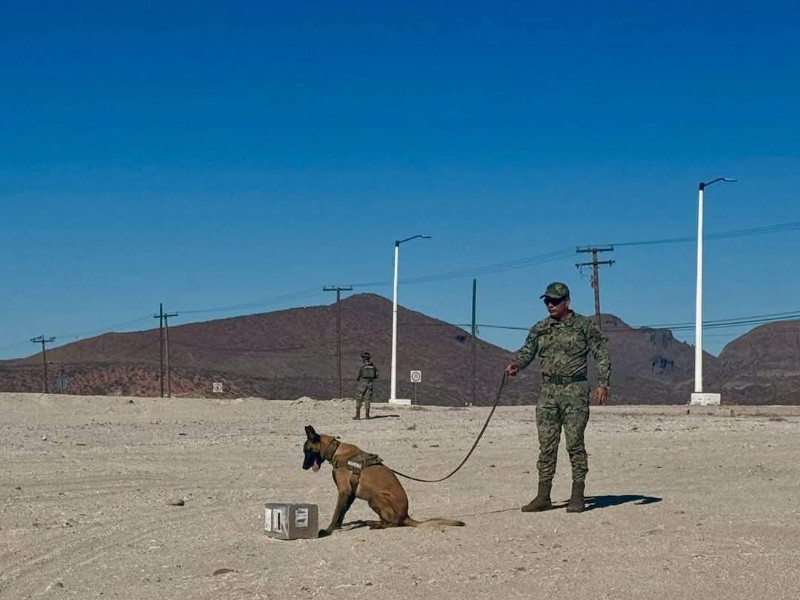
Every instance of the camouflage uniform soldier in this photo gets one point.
(366, 375)
(562, 342)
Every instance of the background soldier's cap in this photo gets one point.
(556, 290)
(366, 355)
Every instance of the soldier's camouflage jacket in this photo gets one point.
(563, 346)
(367, 372)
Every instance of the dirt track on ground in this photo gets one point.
(700, 505)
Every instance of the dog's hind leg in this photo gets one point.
(390, 516)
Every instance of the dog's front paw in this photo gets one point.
(323, 533)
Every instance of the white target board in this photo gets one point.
(416, 376)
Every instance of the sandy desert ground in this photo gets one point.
(105, 497)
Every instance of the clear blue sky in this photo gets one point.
(229, 158)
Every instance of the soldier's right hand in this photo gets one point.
(512, 370)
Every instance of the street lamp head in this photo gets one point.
(705, 184)
(413, 237)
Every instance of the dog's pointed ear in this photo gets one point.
(311, 434)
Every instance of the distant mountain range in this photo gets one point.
(292, 353)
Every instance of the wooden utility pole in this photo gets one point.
(43, 340)
(160, 317)
(474, 338)
(595, 282)
(338, 289)
(163, 343)
(166, 352)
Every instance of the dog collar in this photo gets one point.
(331, 450)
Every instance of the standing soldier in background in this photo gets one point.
(367, 373)
(562, 342)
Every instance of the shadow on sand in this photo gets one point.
(382, 417)
(593, 502)
(354, 525)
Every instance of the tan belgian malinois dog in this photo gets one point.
(365, 478)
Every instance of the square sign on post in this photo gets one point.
(416, 377)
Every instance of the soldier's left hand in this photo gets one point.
(601, 395)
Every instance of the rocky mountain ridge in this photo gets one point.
(292, 353)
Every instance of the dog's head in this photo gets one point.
(312, 453)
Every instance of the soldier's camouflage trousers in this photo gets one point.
(567, 407)
(363, 394)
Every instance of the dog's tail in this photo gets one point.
(409, 522)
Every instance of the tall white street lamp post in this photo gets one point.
(699, 397)
(393, 389)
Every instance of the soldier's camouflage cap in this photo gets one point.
(556, 290)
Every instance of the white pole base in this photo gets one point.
(403, 401)
(705, 399)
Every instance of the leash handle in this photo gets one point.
(474, 445)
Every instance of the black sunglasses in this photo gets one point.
(554, 301)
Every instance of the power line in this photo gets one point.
(463, 273)
(740, 323)
(484, 270)
(106, 329)
(736, 233)
(716, 324)
(566, 252)
(731, 320)
(276, 299)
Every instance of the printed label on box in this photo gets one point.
(301, 517)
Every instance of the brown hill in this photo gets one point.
(651, 366)
(763, 366)
(293, 353)
(283, 354)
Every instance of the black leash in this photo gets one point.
(478, 439)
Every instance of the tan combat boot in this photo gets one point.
(576, 502)
(542, 500)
